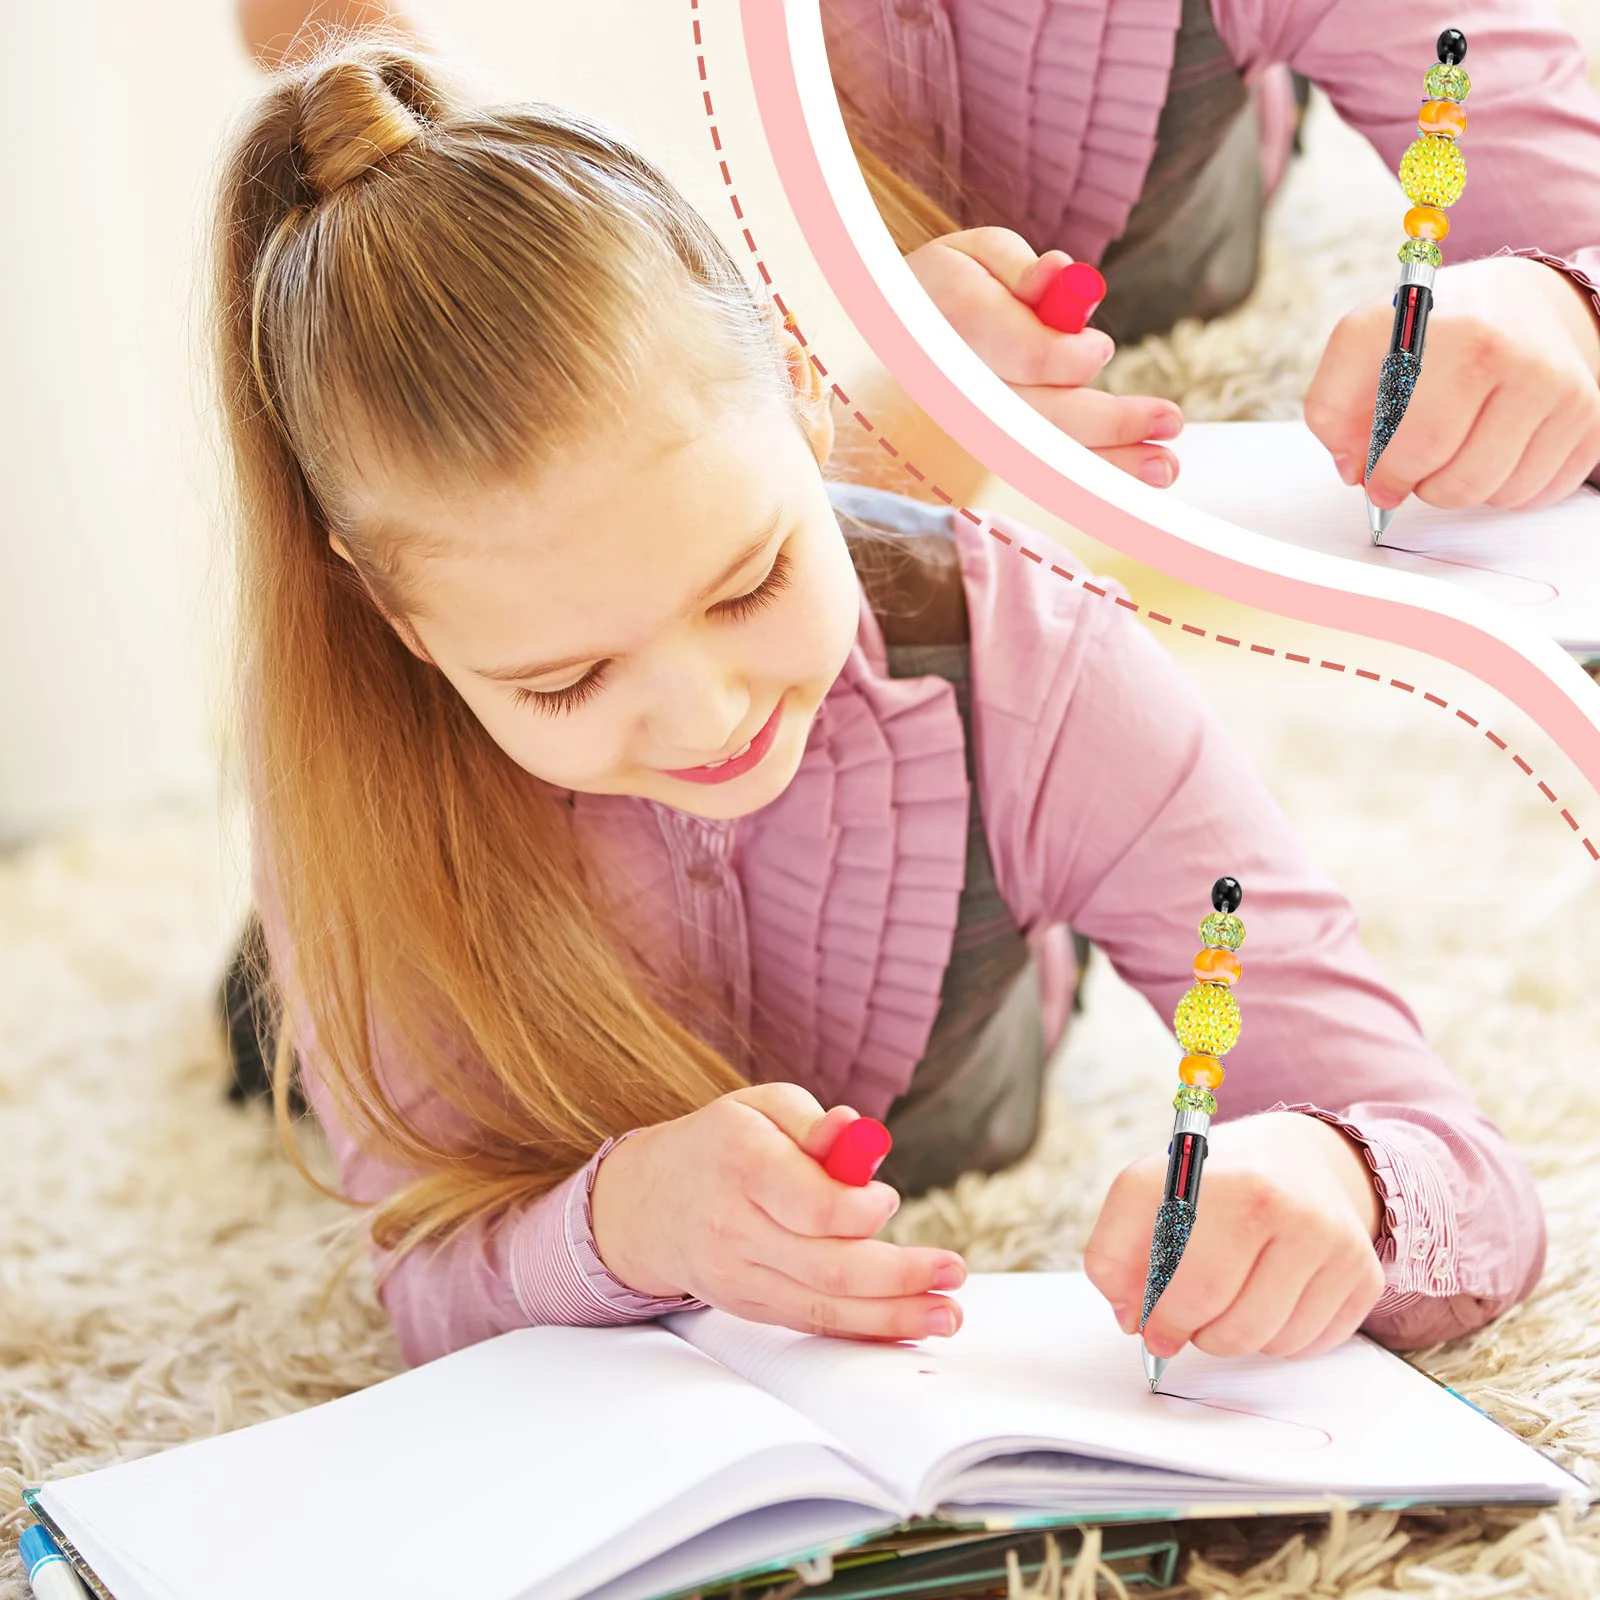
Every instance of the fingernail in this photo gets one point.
(1105, 348)
(1345, 466)
(1157, 472)
(950, 1276)
(1167, 426)
(942, 1323)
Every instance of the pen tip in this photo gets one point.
(1152, 1386)
(1378, 520)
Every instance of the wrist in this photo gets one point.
(1350, 1166)
(615, 1217)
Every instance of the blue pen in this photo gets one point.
(49, 1572)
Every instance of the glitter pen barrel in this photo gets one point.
(1433, 173)
(1207, 1025)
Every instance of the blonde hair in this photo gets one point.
(449, 291)
(452, 291)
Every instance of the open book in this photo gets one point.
(1276, 478)
(640, 1461)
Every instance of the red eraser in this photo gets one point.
(857, 1152)
(1071, 297)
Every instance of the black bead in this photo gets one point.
(1452, 47)
(1226, 894)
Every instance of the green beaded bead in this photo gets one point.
(1207, 1019)
(1187, 1099)
(1446, 82)
(1421, 250)
(1433, 171)
(1222, 928)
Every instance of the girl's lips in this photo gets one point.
(736, 765)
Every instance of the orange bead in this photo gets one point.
(1442, 117)
(1218, 966)
(1427, 222)
(1200, 1072)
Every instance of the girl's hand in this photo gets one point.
(1280, 1261)
(1507, 410)
(985, 282)
(731, 1205)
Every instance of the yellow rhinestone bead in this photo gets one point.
(1222, 928)
(1444, 81)
(1207, 1020)
(1190, 1099)
(1433, 172)
(1421, 250)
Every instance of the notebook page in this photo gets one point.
(1040, 1361)
(1275, 478)
(566, 1450)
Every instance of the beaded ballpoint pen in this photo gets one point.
(1207, 1025)
(1433, 173)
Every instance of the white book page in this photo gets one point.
(1040, 1361)
(544, 1462)
(1275, 478)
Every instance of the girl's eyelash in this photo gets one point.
(739, 607)
(768, 590)
(568, 699)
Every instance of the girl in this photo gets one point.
(625, 795)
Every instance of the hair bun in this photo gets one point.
(357, 108)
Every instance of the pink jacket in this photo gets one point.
(1112, 798)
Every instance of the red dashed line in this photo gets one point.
(915, 472)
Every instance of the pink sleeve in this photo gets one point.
(1533, 122)
(1114, 799)
(538, 1264)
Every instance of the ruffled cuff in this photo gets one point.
(556, 1271)
(1583, 280)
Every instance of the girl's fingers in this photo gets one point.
(1265, 1301)
(1149, 463)
(1347, 1320)
(860, 1269)
(772, 1296)
(800, 1198)
(1103, 422)
(1578, 467)
(1489, 454)
(1544, 460)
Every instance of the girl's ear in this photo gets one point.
(812, 395)
(402, 629)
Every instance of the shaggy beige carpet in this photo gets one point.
(164, 1274)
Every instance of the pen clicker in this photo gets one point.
(1433, 173)
(1207, 1025)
